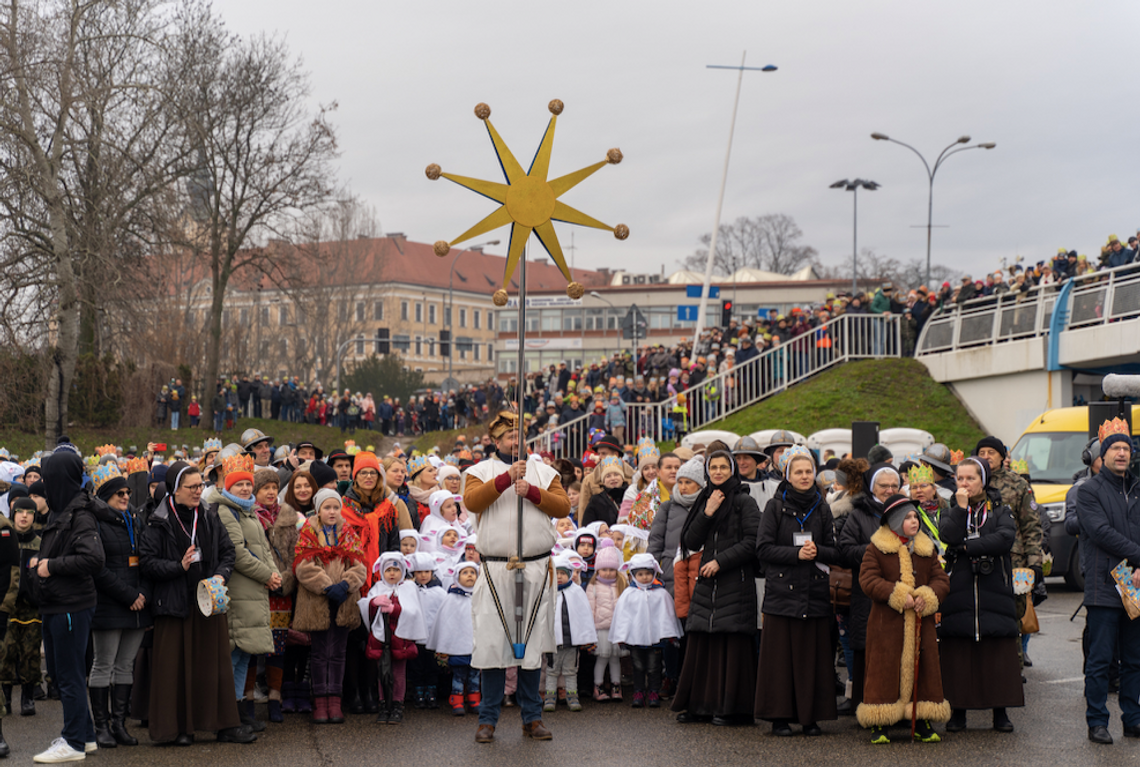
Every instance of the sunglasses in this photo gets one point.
(124, 493)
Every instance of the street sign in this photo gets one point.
(694, 291)
(687, 313)
(634, 324)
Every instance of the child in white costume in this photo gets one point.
(644, 619)
(573, 629)
(453, 638)
(395, 618)
(423, 671)
(444, 510)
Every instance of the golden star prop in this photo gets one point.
(528, 202)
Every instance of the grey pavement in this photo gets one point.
(1050, 730)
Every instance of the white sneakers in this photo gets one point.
(90, 747)
(60, 751)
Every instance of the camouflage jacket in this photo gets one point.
(1016, 493)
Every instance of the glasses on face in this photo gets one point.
(194, 488)
(124, 493)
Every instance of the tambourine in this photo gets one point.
(213, 597)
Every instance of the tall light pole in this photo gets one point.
(853, 186)
(720, 197)
(930, 171)
(451, 309)
(597, 295)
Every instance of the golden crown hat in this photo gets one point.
(136, 465)
(91, 460)
(1020, 466)
(1115, 426)
(647, 448)
(241, 462)
(104, 473)
(211, 444)
(920, 475)
(608, 461)
(956, 457)
(103, 450)
(792, 452)
(417, 464)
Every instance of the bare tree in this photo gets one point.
(770, 242)
(262, 158)
(883, 268)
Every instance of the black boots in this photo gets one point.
(99, 712)
(4, 750)
(120, 705)
(245, 710)
(28, 699)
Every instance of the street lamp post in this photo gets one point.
(930, 171)
(853, 186)
(720, 197)
(597, 295)
(451, 308)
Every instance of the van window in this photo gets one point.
(1053, 456)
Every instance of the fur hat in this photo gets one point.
(263, 477)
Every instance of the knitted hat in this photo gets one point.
(449, 470)
(608, 556)
(322, 496)
(994, 443)
(366, 461)
(693, 469)
(23, 503)
(879, 454)
(895, 510)
(263, 477)
(322, 473)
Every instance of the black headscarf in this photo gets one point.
(63, 480)
(110, 487)
(176, 472)
(730, 487)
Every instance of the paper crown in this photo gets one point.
(1020, 466)
(137, 464)
(213, 443)
(647, 449)
(920, 475)
(104, 473)
(1115, 426)
(241, 462)
(103, 450)
(451, 459)
(956, 457)
(608, 462)
(91, 460)
(417, 464)
(792, 452)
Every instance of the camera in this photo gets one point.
(982, 565)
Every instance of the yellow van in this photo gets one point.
(1052, 446)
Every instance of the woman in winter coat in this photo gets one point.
(797, 538)
(395, 473)
(280, 522)
(604, 507)
(881, 482)
(718, 676)
(902, 576)
(192, 685)
(979, 629)
(122, 615)
(330, 574)
(254, 576)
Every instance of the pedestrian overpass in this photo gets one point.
(1009, 358)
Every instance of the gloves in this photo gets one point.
(337, 593)
(383, 603)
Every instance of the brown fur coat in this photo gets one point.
(311, 611)
(889, 574)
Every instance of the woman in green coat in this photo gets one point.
(254, 576)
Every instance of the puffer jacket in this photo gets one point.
(980, 604)
(70, 543)
(685, 572)
(1109, 518)
(796, 588)
(119, 583)
(312, 606)
(665, 538)
(602, 599)
(253, 567)
(160, 556)
(725, 603)
(854, 537)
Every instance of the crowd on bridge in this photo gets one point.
(729, 582)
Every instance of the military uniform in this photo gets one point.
(21, 648)
(1027, 547)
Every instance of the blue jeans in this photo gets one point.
(174, 419)
(494, 686)
(1110, 627)
(65, 638)
(218, 421)
(464, 676)
(240, 661)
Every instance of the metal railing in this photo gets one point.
(848, 337)
(1090, 299)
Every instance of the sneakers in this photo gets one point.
(572, 701)
(600, 695)
(924, 733)
(615, 693)
(879, 735)
(654, 700)
(639, 700)
(59, 751)
(548, 703)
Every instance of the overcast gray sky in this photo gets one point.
(1053, 83)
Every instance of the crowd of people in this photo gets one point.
(729, 582)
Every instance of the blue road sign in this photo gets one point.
(687, 313)
(694, 291)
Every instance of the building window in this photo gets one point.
(508, 323)
(265, 315)
(490, 351)
(475, 316)
(245, 318)
(476, 348)
(360, 311)
(462, 318)
(283, 315)
(419, 346)
(378, 310)
(431, 314)
(572, 319)
(447, 316)
(490, 320)
(283, 347)
(404, 310)
(419, 312)
(359, 344)
(401, 342)
(431, 347)
(263, 349)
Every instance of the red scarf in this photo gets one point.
(347, 548)
(368, 527)
(267, 515)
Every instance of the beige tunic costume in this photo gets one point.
(496, 525)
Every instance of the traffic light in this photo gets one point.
(445, 343)
(725, 313)
(383, 346)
